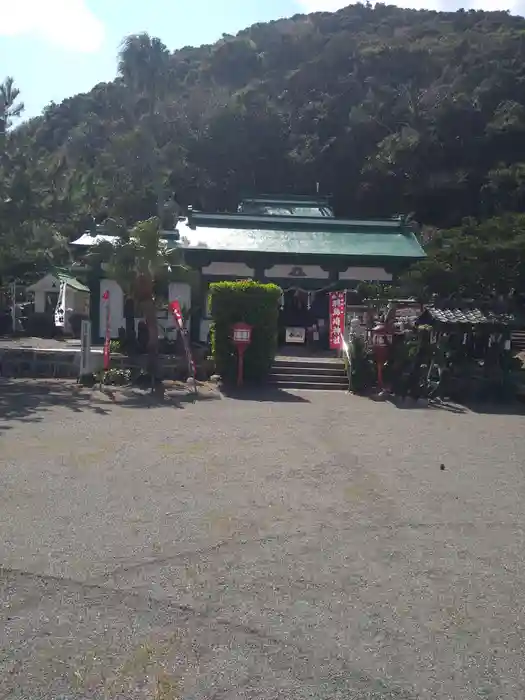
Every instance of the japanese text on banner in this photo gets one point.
(337, 319)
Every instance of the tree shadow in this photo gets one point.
(262, 394)
(432, 404)
(134, 398)
(502, 408)
(30, 399)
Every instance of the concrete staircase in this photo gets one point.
(518, 341)
(308, 373)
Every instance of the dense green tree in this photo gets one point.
(389, 109)
(10, 108)
(477, 260)
(29, 243)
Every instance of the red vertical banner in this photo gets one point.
(337, 319)
(177, 314)
(107, 337)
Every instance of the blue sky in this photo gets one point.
(57, 48)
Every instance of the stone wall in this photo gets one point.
(34, 362)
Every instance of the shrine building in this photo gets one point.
(295, 242)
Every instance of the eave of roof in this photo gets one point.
(304, 200)
(384, 242)
(251, 221)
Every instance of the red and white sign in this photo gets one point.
(242, 334)
(337, 319)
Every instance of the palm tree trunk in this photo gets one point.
(129, 317)
(150, 316)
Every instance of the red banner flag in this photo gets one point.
(337, 319)
(177, 314)
(107, 338)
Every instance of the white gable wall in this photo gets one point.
(116, 308)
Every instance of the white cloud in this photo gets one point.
(68, 24)
(515, 6)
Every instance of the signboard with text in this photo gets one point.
(85, 348)
(337, 319)
(295, 335)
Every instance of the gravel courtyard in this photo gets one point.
(290, 546)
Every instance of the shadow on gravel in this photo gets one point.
(411, 404)
(30, 399)
(263, 394)
(133, 398)
(509, 408)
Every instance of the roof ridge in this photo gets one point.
(294, 222)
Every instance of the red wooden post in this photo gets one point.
(240, 365)
(107, 338)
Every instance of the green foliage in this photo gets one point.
(30, 240)
(141, 262)
(252, 303)
(116, 346)
(9, 107)
(116, 377)
(362, 373)
(139, 258)
(389, 109)
(475, 260)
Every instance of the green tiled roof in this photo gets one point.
(290, 205)
(332, 237)
(304, 199)
(72, 282)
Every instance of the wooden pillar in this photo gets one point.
(259, 275)
(93, 284)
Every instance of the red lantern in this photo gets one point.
(381, 341)
(242, 337)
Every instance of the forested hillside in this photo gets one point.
(390, 110)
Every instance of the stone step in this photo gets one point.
(309, 364)
(278, 376)
(308, 384)
(309, 373)
(327, 370)
(518, 340)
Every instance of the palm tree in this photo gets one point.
(9, 109)
(139, 261)
(144, 65)
(144, 71)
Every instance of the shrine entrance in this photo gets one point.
(303, 318)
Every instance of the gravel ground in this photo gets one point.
(293, 546)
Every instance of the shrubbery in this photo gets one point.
(362, 374)
(41, 325)
(249, 302)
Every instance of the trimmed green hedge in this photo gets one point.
(253, 303)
